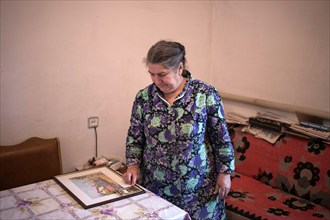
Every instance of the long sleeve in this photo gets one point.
(135, 141)
(218, 134)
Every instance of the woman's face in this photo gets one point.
(167, 80)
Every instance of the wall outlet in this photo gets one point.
(93, 122)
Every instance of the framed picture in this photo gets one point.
(97, 186)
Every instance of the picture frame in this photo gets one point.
(97, 186)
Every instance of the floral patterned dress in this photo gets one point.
(181, 148)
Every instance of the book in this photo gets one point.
(265, 123)
(315, 126)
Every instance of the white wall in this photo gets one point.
(63, 61)
(273, 50)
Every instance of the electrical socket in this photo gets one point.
(93, 122)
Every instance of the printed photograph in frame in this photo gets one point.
(97, 186)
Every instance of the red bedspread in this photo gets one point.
(288, 179)
(255, 200)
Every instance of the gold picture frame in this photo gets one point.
(97, 186)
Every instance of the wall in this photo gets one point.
(274, 50)
(63, 61)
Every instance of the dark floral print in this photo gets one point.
(278, 212)
(272, 198)
(300, 204)
(181, 148)
(237, 194)
(287, 159)
(246, 145)
(306, 174)
(264, 177)
(316, 146)
(318, 215)
(243, 149)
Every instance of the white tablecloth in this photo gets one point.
(47, 200)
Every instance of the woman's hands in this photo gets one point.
(132, 175)
(223, 185)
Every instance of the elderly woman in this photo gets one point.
(178, 145)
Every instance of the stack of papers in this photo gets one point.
(311, 132)
(267, 135)
(235, 118)
(290, 126)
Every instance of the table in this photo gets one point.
(47, 200)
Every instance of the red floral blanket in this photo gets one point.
(288, 179)
(256, 200)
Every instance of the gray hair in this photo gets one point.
(167, 53)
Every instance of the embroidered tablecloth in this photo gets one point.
(47, 200)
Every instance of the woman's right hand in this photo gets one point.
(132, 175)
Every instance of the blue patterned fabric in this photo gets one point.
(181, 148)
